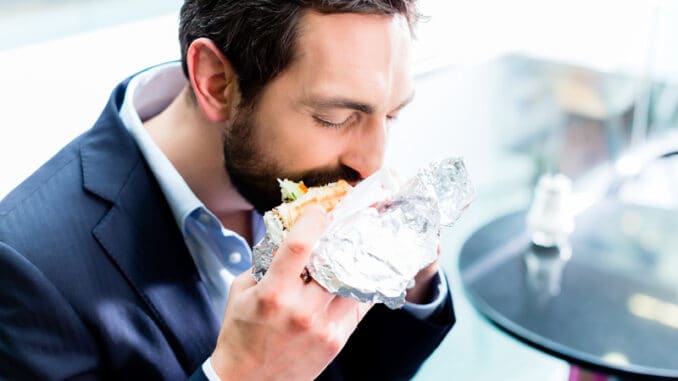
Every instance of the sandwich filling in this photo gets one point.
(296, 197)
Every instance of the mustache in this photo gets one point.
(323, 177)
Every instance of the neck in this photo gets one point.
(194, 146)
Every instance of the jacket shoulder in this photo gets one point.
(50, 208)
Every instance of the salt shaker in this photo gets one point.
(550, 219)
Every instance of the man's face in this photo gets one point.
(327, 116)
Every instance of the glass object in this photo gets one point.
(550, 219)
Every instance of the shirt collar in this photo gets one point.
(147, 94)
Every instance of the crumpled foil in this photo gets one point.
(381, 235)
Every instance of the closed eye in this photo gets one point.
(326, 123)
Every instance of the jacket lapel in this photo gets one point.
(140, 236)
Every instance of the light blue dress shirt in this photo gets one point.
(219, 253)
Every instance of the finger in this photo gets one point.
(243, 281)
(293, 254)
(364, 308)
(347, 311)
(348, 314)
(314, 298)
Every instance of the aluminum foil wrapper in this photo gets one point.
(381, 234)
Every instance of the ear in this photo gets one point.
(213, 79)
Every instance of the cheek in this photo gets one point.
(317, 148)
(301, 145)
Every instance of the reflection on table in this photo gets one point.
(610, 305)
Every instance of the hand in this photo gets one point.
(283, 328)
(422, 286)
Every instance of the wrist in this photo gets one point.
(423, 286)
(209, 371)
(224, 367)
(219, 366)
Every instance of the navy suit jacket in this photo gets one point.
(97, 283)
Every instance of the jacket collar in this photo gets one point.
(141, 237)
(108, 152)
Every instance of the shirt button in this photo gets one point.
(235, 258)
(205, 218)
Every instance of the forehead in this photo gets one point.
(358, 54)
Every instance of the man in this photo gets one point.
(127, 255)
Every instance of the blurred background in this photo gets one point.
(519, 89)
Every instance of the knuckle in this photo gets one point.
(302, 321)
(334, 345)
(298, 248)
(331, 337)
(269, 302)
(322, 335)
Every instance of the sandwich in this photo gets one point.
(379, 235)
(296, 197)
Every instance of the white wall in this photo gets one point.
(52, 91)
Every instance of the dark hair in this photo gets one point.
(258, 36)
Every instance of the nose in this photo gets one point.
(365, 151)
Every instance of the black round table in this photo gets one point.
(609, 304)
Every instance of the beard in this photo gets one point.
(254, 171)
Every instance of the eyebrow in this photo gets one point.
(345, 103)
(404, 103)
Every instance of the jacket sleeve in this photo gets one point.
(41, 336)
(392, 344)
